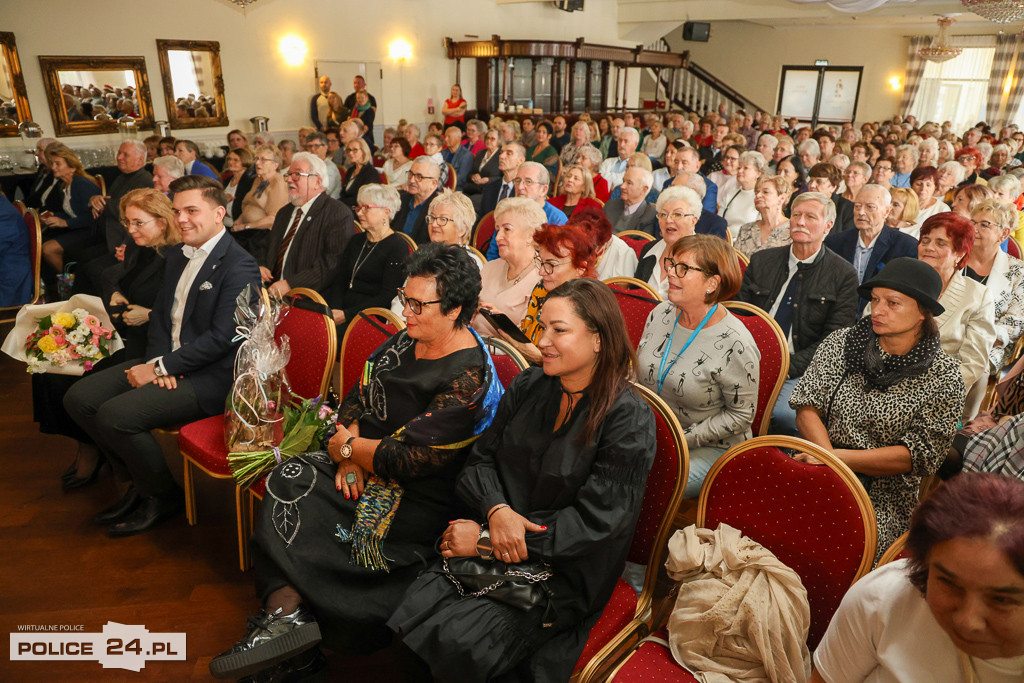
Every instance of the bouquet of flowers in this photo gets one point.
(306, 426)
(255, 406)
(66, 337)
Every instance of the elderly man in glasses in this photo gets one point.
(309, 233)
(420, 188)
(317, 144)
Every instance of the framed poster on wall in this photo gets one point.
(826, 94)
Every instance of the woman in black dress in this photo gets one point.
(370, 270)
(128, 293)
(558, 477)
(362, 171)
(343, 532)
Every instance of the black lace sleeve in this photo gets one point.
(397, 460)
(351, 408)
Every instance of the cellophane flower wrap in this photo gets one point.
(254, 415)
(65, 337)
(308, 425)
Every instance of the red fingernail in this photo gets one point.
(451, 521)
(543, 527)
(338, 486)
(346, 494)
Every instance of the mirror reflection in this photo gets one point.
(13, 101)
(192, 84)
(8, 105)
(99, 95)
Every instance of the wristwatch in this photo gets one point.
(346, 448)
(483, 545)
(158, 370)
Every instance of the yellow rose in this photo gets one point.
(65, 320)
(47, 344)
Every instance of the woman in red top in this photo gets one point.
(455, 109)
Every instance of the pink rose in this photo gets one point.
(88, 365)
(95, 340)
(105, 333)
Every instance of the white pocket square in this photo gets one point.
(205, 286)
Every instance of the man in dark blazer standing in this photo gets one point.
(309, 233)
(187, 371)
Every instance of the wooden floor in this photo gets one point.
(57, 567)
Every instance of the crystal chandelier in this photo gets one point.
(940, 50)
(243, 3)
(1000, 11)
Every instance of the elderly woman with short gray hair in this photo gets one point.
(370, 269)
(738, 208)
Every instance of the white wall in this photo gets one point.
(749, 57)
(257, 81)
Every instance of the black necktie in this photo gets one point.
(784, 316)
(288, 237)
(505, 191)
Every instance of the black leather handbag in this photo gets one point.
(522, 585)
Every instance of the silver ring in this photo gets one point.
(446, 546)
(350, 478)
(504, 554)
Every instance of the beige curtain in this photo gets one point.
(1014, 107)
(1005, 47)
(915, 68)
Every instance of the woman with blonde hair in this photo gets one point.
(575, 190)
(268, 195)
(903, 211)
(69, 208)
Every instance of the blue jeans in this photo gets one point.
(701, 460)
(783, 417)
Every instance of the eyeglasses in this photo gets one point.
(676, 216)
(966, 157)
(678, 268)
(270, 160)
(128, 225)
(528, 182)
(315, 144)
(988, 225)
(441, 221)
(417, 177)
(296, 174)
(415, 305)
(548, 267)
(367, 207)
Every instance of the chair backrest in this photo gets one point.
(743, 260)
(897, 551)
(361, 339)
(1013, 247)
(313, 340)
(507, 360)
(665, 485)
(633, 283)
(817, 519)
(19, 205)
(342, 171)
(450, 181)
(384, 178)
(639, 234)
(635, 308)
(555, 171)
(483, 232)
(728, 236)
(101, 182)
(476, 252)
(774, 359)
(408, 240)
(635, 243)
(35, 249)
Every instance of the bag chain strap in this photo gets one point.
(530, 578)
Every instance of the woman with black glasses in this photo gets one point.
(698, 356)
(371, 265)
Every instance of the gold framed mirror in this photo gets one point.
(13, 99)
(88, 94)
(193, 83)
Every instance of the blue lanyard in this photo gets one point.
(662, 370)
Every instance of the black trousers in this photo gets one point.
(119, 418)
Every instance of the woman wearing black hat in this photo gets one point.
(883, 396)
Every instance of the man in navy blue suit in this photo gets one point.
(872, 244)
(187, 370)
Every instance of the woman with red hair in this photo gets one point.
(967, 327)
(613, 257)
(564, 252)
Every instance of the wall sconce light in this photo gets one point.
(400, 50)
(894, 83)
(293, 49)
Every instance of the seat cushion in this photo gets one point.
(653, 662)
(203, 442)
(617, 613)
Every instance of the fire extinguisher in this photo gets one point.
(430, 106)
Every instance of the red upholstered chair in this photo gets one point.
(635, 307)
(507, 359)
(743, 260)
(1013, 248)
(35, 254)
(897, 551)
(312, 337)
(817, 519)
(626, 617)
(20, 206)
(774, 359)
(362, 337)
(408, 240)
(635, 284)
(450, 181)
(636, 239)
(483, 232)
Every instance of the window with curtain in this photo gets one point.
(956, 90)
